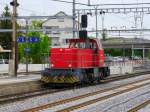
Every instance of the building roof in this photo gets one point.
(61, 13)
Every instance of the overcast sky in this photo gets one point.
(48, 7)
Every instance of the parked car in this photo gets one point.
(3, 61)
(136, 58)
(108, 59)
(118, 59)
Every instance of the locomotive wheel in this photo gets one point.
(91, 77)
(101, 77)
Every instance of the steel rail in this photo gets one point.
(101, 98)
(144, 104)
(120, 77)
(21, 96)
(77, 98)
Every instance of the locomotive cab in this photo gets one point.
(81, 53)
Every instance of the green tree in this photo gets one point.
(114, 52)
(36, 24)
(37, 49)
(6, 37)
(148, 53)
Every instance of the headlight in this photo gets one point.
(69, 65)
(60, 49)
(52, 65)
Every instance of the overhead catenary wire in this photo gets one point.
(77, 3)
(70, 29)
(123, 4)
(102, 4)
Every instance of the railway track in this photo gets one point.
(75, 103)
(138, 107)
(18, 97)
(44, 91)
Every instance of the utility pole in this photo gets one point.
(74, 18)
(103, 31)
(78, 23)
(14, 57)
(96, 22)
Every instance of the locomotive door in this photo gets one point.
(95, 54)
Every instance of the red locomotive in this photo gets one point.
(82, 61)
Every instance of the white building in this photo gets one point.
(58, 37)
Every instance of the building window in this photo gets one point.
(51, 30)
(46, 29)
(54, 30)
(61, 20)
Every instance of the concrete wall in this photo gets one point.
(121, 69)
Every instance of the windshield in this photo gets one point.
(83, 45)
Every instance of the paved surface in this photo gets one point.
(21, 78)
(40, 100)
(20, 84)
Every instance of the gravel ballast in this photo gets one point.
(120, 103)
(40, 100)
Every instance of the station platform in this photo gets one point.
(20, 84)
(4, 80)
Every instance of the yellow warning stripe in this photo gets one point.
(61, 79)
